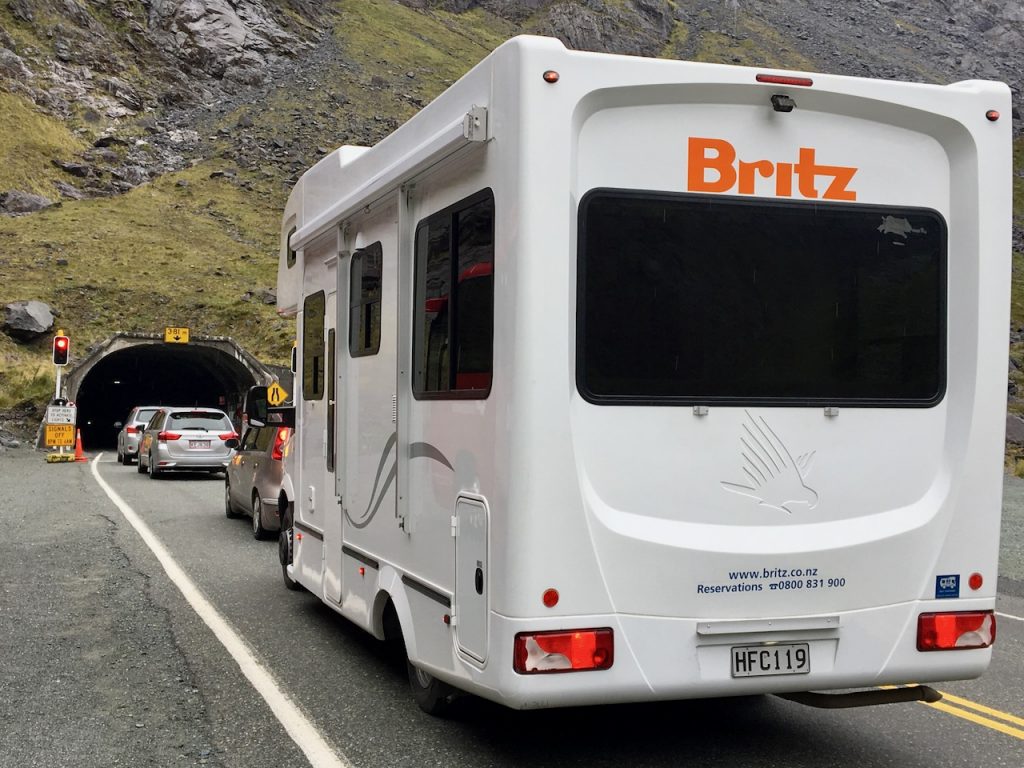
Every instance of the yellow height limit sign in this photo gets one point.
(174, 335)
(58, 435)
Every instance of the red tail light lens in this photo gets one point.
(280, 438)
(575, 650)
(955, 631)
(228, 435)
(164, 436)
(131, 430)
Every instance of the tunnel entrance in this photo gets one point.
(140, 369)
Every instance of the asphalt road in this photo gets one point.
(104, 663)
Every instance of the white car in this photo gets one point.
(131, 432)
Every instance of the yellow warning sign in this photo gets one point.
(174, 335)
(60, 435)
(276, 394)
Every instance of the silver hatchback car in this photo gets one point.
(131, 432)
(190, 439)
(253, 483)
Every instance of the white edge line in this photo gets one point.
(1010, 616)
(302, 731)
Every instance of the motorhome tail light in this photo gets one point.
(228, 435)
(280, 438)
(164, 436)
(785, 80)
(576, 650)
(956, 630)
(975, 581)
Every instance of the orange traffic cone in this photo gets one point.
(79, 455)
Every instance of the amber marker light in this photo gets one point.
(551, 76)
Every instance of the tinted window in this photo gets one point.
(313, 346)
(454, 300)
(703, 299)
(364, 301)
(291, 251)
(198, 420)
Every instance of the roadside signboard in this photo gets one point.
(61, 414)
(175, 335)
(276, 394)
(60, 435)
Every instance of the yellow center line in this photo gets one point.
(982, 708)
(965, 714)
(959, 707)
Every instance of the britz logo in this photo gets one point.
(713, 166)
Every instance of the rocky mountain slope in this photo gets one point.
(148, 145)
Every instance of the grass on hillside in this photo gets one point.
(29, 142)
(180, 251)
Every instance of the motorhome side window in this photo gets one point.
(313, 367)
(291, 251)
(703, 299)
(364, 301)
(454, 301)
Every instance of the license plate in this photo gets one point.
(198, 443)
(774, 659)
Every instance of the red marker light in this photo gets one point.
(362, 571)
(550, 598)
(785, 80)
(992, 115)
(975, 581)
(551, 76)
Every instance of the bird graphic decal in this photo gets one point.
(772, 477)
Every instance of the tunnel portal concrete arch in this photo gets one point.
(128, 370)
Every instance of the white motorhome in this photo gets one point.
(624, 379)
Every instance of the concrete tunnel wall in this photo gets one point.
(141, 369)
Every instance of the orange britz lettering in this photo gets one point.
(713, 166)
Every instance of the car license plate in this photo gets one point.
(198, 443)
(773, 659)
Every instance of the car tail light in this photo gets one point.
(574, 650)
(164, 436)
(131, 430)
(956, 630)
(228, 435)
(280, 438)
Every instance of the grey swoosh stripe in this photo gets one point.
(428, 451)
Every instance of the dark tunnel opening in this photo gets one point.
(156, 374)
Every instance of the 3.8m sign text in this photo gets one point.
(712, 166)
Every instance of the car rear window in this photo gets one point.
(198, 420)
(691, 299)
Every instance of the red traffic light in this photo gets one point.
(61, 350)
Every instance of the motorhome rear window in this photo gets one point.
(687, 299)
(454, 301)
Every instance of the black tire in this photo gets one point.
(153, 471)
(120, 456)
(432, 696)
(284, 551)
(258, 531)
(229, 508)
(126, 459)
(139, 468)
